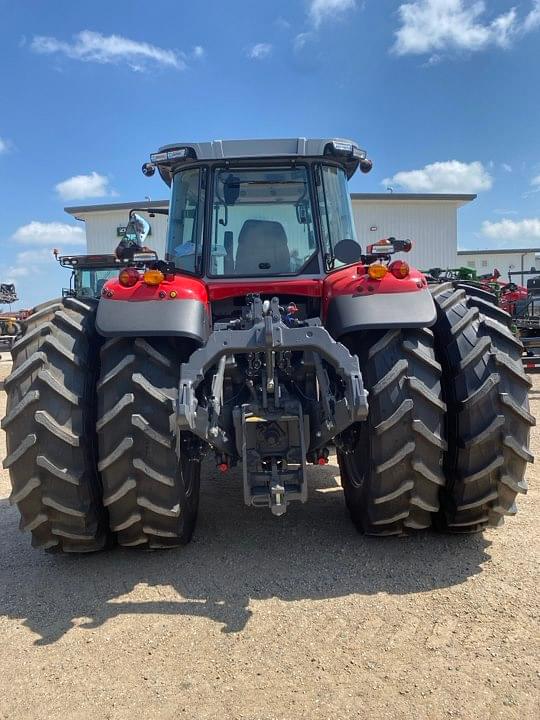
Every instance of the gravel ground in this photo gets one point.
(263, 618)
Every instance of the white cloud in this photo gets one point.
(52, 233)
(532, 21)
(80, 187)
(259, 51)
(429, 26)
(90, 46)
(282, 23)
(14, 272)
(535, 184)
(506, 167)
(29, 262)
(198, 52)
(443, 177)
(34, 257)
(522, 230)
(320, 10)
(301, 40)
(4, 146)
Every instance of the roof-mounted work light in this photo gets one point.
(344, 148)
(169, 155)
(347, 149)
(167, 158)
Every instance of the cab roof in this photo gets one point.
(280, 147)
(345, 152)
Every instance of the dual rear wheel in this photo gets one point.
(446, 442)
(76, 489)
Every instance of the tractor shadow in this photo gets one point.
(237, 555)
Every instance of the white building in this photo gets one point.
(105, 224)
(430, 221)
(515, 260)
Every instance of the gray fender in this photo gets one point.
(177, 318)
(350, 313)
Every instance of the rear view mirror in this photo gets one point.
(137, 229)
(301, 213)
(347, 251)
(231, 189)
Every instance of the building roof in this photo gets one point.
(400, 197)
(500, 251)
(391, 197)
(136, 204)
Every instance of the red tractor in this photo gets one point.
(263, 335)
(511, 295)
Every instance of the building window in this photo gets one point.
(471, 264)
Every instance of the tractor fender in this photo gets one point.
(350, 313)
(176, 308)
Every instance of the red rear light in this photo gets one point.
(399, 269)
(129, 277)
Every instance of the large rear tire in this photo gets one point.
(151, 496)
(50, 428)
(392, 475)
(488, 418)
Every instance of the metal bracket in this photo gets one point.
(274, 473)
(267, 333)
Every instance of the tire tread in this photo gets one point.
(49, 429)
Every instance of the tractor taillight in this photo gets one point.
(377, 271)
(153, 277)
(129, 276)
(399, 269)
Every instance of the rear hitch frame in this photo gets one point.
(269, 478)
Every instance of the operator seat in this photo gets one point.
(262, 242)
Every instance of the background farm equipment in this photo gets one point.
(521, 303)
(467, 277)
(10, 326)
(524, 306)
(10, 329)
(89, 273)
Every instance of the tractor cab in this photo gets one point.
(266, 210)
(89, 273)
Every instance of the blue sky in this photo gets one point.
(444, 95)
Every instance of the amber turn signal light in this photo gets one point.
(129, 277)
(153, 277)
(399, 269)
(377, 271)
